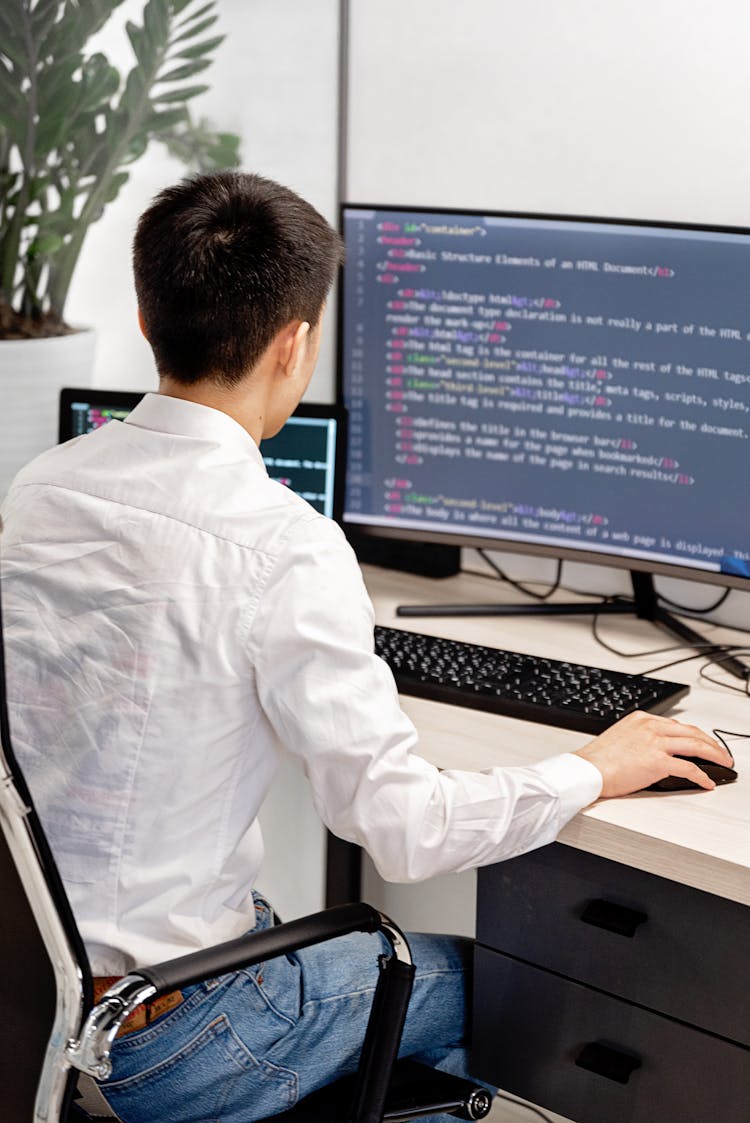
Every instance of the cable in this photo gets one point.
(686, 659)
(517, 584)
(720, 734)
(520, 1103)
(710, 647)
(695, 611)
(745, 690)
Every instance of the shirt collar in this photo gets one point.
(189, 419)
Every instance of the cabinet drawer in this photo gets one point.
(653, 941)
(595, 1058)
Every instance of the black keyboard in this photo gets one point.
(570, 695)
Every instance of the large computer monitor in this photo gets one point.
(306, 455)
(562, 386)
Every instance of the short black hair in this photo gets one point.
(222, 262)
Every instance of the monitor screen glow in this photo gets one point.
(564, 386)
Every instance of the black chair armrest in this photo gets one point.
(256, 947)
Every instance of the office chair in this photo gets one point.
(51, 1031)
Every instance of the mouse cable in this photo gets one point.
(520, 1103)
(721, 734)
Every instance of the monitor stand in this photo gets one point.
(645, 605)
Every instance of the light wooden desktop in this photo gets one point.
(600, 1024)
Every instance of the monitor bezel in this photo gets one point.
(510, 545)
(338, 413)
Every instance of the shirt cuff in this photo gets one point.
(578, 781)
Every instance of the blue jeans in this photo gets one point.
(249, 1045)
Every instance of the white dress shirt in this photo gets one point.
(173, 619)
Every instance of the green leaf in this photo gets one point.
(198, 146)
(160, 123)
(156, 22)
(45, 244)
(202, 26)
(54, 82)
(186, 71)
(61, 220)
(199, 49)
(57, 101)
(99, 84)
(223, 154)
(53, 125)
(15, 53)
(143, 49)
(180, 95)
(99, 156)
(135, 94)
(12, 101)
(117, 183)
(16, 130)
(12, 20)
(49, 136)
(192, 16)
(137, 147)
(44, 17)
(179, 6)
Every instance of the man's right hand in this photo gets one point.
(643, 748)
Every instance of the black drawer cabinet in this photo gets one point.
(585, 967)
(597, 1059)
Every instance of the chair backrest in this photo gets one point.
(27, 994)
(45, 980)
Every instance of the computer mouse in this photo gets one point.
(719, 773)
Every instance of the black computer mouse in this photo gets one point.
(719, 773)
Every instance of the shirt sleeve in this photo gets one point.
(333, 701)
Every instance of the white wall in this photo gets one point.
(631, 108)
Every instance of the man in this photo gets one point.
(174, 618)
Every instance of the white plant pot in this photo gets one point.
(32, 373)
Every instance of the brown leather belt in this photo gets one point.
(144, 1014)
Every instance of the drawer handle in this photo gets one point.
(607, 1062)
(614, 918)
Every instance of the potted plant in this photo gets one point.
(71, 126)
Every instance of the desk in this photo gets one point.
(665, 1041)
